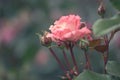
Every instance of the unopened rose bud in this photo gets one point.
(101, 10)
(83, 24)
(45, 40)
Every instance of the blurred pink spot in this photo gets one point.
(9, 28)
(42, 57)
(7, 34)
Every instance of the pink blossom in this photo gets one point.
(68, 28)
(10, 28)
(42, 57)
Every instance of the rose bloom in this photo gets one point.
(68, 28)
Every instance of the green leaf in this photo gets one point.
(116, 3)
(90, 75)
(104, 26)
(113, 68)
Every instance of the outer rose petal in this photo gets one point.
(85, 30)
(76, 35)
(72, 36)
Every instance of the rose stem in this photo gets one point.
(107, 51)
(65, 56)
(87, 60)
(107, 44)
(73, 58)
(57, 59)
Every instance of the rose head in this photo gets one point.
(68, 28)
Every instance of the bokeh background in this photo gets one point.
(22, 57)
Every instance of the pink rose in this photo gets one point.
(68, 28)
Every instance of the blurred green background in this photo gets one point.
(21, 55)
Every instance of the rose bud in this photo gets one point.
(101, 10)
(83, 24)
(45, 39)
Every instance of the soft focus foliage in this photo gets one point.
(113, 68)
(116, 4)
(89, 75)
(105, 26)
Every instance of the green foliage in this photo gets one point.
(104, 26)
(116, 3)
(113, 68)
(90, 75)
(30, 53)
